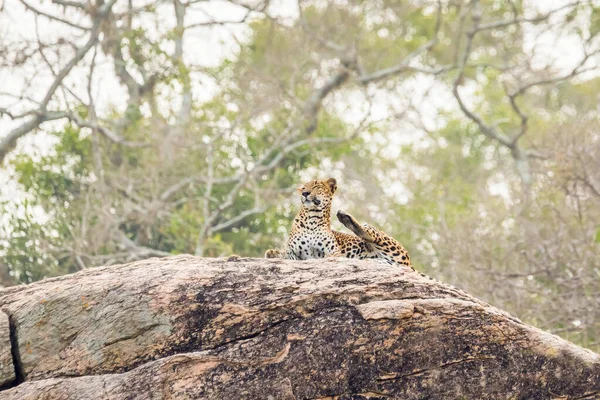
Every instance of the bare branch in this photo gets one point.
(237, 219)
(340, 50)
(214, 22)
(206, 200)
(490, 131)
(69, 3)
(102, 12)
(8, 142)
(94, 119)
(487, 130)
(173, 189)
(574, 72)
(185, 110)
(524, 118)
(520, 20)
(138, 251)
(54, 17)
(212, 217)
(405, 66)
(313, 105)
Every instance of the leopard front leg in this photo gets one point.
(290, 254)
(351, 223)
(379, 243)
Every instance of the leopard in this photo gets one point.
(311, 235)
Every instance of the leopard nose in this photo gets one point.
(305, 194)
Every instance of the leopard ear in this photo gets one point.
(332, 184)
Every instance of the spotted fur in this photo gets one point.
(372, 243)
(311, 235)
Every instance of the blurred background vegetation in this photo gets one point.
(466, 129)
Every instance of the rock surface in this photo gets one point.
(187, 327)
(7, 369)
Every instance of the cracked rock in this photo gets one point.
(7, 369)
(195, 328)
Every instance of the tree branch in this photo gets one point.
(8, 142)
(69, 3)
(404, 65)
(54, 17)
(237, 219)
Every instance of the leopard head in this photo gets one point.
(317, 195)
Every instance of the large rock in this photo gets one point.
(187, 327)
(7, 369)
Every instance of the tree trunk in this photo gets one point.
(188, 327)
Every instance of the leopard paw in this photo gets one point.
(272, 253)
(349, 222)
